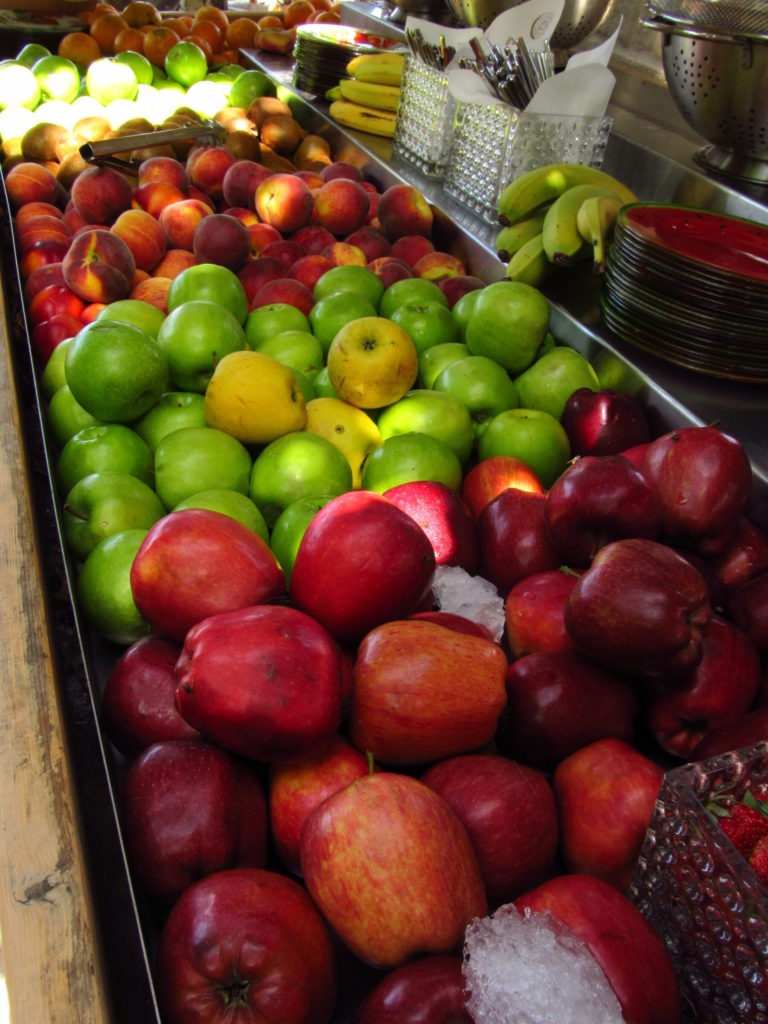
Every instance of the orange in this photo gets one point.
(204, 45)
(331, 17)
(129, 39)
(105, 29)
(297, 13)
(269, 21)
(215, 15)
(80, 48)
(241, 33)
(225, 57)
(157, 42)
(210, 32)
(181, 25)
(139, 12)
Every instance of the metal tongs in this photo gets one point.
(103, 151)
(435, 55)
(514, 72)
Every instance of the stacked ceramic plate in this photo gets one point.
(691, 287)
(322, 51)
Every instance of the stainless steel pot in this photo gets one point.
(579, 18)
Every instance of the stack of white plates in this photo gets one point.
(323, 50)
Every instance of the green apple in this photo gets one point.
(306, 386)
(103, 588)
(134, 311)
(174, 410)
(322, 385)
(349, 278)
(405, 457)
(212, 282)
(330, 314)
(66, 417)
(434, 360)
(509, 322)
(298, 349)
(108, 446)
(193, 338)
(427, 323)
(410, 289)
(434, 413)
(230, 503)
(275, 318)
(463, 309)
(297, 465)
(549, 382)
(53, 376)
(546, 346)
(105, 503)
(138, 63)
(533, 436)
(480, 384)
(197, 459)
(290, 526)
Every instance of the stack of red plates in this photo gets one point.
(691, 287)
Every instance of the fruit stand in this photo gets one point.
(77, 937)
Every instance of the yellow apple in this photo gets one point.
(372, 362)
(346, 426)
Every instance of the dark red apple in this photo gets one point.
(488, 478)
(189, 809)
(256, 273)
(599, 498)
(454, 286)
(514, 540)
(246, 944)
(427, 990)
(445, 519)
(533, 612)
(373, 244)
(640, 609)
(745, 557)
(559, 702)
(453, 621)
(748, 729)
(604, 422)
(748, 607)
(263, 681)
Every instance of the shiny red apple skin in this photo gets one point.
(422, 692)
(558, 702)
(137, 706)
(264, 682)
(510, 815)
(427, 990)
(716, 692)
(514, 540)
(639, 609)
(598, 499)
(606, 793)
(745, 557)
(392, 869)
(748, 607)
(210, 968)
(362, 561)
(195, 563)
(703, 478)
(490, 477)
(453, 621)
(633, 957)
(533, 612)
(189, 809)
(748, 729)
(445, 519)
(604, 422)
(296, 789)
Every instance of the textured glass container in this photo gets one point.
(424, 123)
(702, 897)
(494, 143)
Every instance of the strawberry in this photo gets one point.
(746, 824)
(759, 859)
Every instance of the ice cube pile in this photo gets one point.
(471, 596)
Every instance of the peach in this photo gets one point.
(286, 251)
(284, 201)
(154, 291)
(179, 221)
(222, 240)
(370, 240)
(341, 206)
(51, 273)
(172, 264)
(275, 40)
(28, 182)
(143, 235)
(43, 228)
(341, 169)
(206, 167)
(285, 290)
(91, 311)
(248, 217)
(54, 299)
(163, 168)
(47, 335)
(403, 210)
(309, 269)
(454, 286)
(341, 253)
(73, 218)
(410, 248)
(390, 269)
(29, 210)
(42, 254)
(241, 181)
(99, 266)
(100, 194)
(262, 235)
(313, 238)
(438, 264)
(193, 192)
(155, 196)
(311, 177)
(256, 273)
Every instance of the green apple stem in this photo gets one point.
(75, 513)
(369, 759)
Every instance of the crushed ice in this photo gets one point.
(471, 596)
(526, 969)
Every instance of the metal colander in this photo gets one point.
(733, 16)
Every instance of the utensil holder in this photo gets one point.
(702, 897)
(424, 123)
(494, 143)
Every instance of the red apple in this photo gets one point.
(422, 692)
(455, 286)
(534, 612)
(640, 609)
(716, 692)
(558, 702)
(392, 869)
(748, 729)
(246, 943)
(606, 793)
(514, 540)
(510, 815)
(453, 621)
(194, 563)
(488, 478)
(604, 422)
(190, 809)
(427, 990)
(444, 518)
(745, 557)
(263, 681)
(373, 244)
(362, 561)
(748, 607)
(388, 270)
(258, 272)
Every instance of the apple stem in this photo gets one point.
(369, 759)
(75, 513)
(236, 993)
(566, 570)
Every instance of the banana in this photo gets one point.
(512, 236)
(530, 264)
(334, 93)
(364, 119)
(378, 68)
(540, 185)
(562, 239)
(369, 94)
(596, 220)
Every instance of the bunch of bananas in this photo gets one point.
(367, 100)
(556, 215)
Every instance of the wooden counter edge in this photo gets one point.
(54, 972)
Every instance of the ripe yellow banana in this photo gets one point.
(562, 239)
(541, 185)
(378, 68)
(370, 94)
(530, 264)
(512, 236)
(364, 119)
(596, 220)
